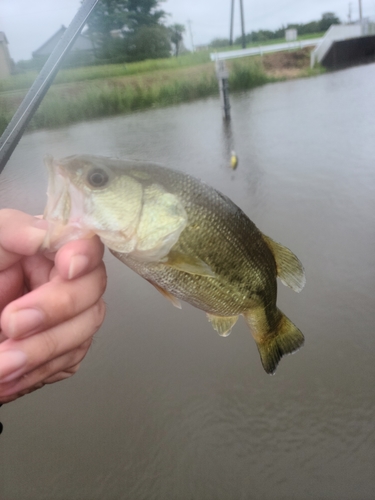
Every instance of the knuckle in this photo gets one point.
(102, 279)
(99, 310)
(80, 353)
(72, 370)
(66, 303)
(58, 377)
(50, 345)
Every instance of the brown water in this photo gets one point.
(163, 408)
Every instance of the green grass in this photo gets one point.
(113, 95)
(91, 92)
(246, 74)
(109, 100)
(25, 80)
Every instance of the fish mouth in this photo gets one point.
(64, 210)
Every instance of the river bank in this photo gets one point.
(87, 93)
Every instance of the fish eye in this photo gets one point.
(97, 178)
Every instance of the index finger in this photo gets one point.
(21, 235)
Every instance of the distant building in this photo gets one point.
(6, 64)
(82, 45)
(291, 35)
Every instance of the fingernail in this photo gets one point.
(25, 321)
(78, 263)
(10, 364)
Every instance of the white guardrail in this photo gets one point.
(254, 51)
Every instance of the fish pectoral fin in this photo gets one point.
(222, 324)
(273, 344)
(289, 268)
(189, 264)
(167, 295)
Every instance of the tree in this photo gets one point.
(123, 16)
(110, 15)
(328, 18)
(144, 13)
(176, 34)
(107, 16)
(148, 42)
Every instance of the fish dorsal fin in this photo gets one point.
(189, 264)
(222, 324)
(167, 295)
(289, 268)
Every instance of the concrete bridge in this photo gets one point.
(342, 45)
(345, 45)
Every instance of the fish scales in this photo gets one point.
(189, 240)
(231, 237)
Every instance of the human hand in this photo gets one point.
(50, 305)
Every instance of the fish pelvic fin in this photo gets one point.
(273, 345)
(289, 268)
(222, 324)
(175, 301)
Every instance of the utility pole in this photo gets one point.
(350, 13)
(360, 10)
(191, 35)
(231, 23)
(242, 24)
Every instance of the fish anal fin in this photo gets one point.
(189, 264)
(273, 345)
(222, 324)
(167, 295)
(289, 268)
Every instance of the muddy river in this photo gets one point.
(164, 408)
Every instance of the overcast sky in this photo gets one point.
(29, 23)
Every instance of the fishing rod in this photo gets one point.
(38, 90)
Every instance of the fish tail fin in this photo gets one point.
(286, 338)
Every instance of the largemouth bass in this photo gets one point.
(187, 239)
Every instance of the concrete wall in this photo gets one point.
(346, 53)
(334, 33)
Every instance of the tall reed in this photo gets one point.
(88, 99)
